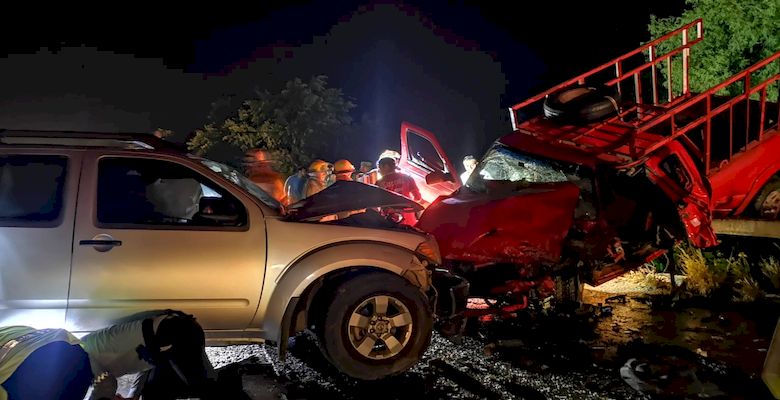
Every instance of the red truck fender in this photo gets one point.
(772, 170)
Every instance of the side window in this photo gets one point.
(423, 154)
(674, 169)
(32, 189)
(136, 191)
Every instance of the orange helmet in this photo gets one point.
(343, 167)
(319, 166)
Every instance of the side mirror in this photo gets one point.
(218, 211)
(438, 177)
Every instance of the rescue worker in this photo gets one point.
(38, 364)
(366, 174)
(470, 164)
(331, 176)
(399, 183)
(386, 154)
(294, 185)
(318, 178)
(260, 170)
(343, 170)
(165, 350)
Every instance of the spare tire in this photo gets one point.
(581, 104)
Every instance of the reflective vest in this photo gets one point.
(18, 342)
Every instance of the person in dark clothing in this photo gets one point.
(295, 184)
(165, 349)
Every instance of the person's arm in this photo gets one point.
(413, 189)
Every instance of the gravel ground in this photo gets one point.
(567, 356)
(447, 371)
(638, 282)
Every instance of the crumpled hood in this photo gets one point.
(348, 196)
(523, 226)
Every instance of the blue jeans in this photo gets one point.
(56, 371)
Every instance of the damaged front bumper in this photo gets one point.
(449, 296)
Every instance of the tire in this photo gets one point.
(581, 104)
(356, 309)
(767, 203)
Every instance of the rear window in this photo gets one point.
(31, 189)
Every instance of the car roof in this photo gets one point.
(81, 140)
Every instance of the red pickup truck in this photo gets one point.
(600, 174)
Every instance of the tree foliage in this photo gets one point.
(302, 121)
(737, 34)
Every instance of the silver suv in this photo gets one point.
(95, 227)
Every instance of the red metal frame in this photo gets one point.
(738, 176)
(649, 50)
(640, 128)
(693, 106)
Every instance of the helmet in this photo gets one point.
(319, 166)
(390, 154)
(384, 160)
(343, 166)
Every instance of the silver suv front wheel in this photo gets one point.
(377, 324)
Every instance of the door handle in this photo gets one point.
(100, 243)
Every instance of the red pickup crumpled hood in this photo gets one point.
(526, 226)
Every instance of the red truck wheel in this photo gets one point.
(768, 202)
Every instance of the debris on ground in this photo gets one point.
(604, 311)
(667, 377)
(621, 298)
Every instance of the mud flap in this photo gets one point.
(286, 327)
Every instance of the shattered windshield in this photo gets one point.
(239, 179)
(504, 164)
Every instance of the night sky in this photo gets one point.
(452, 67)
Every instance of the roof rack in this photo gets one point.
(125, 141)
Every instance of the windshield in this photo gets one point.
(504, 164)
(239, 179)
